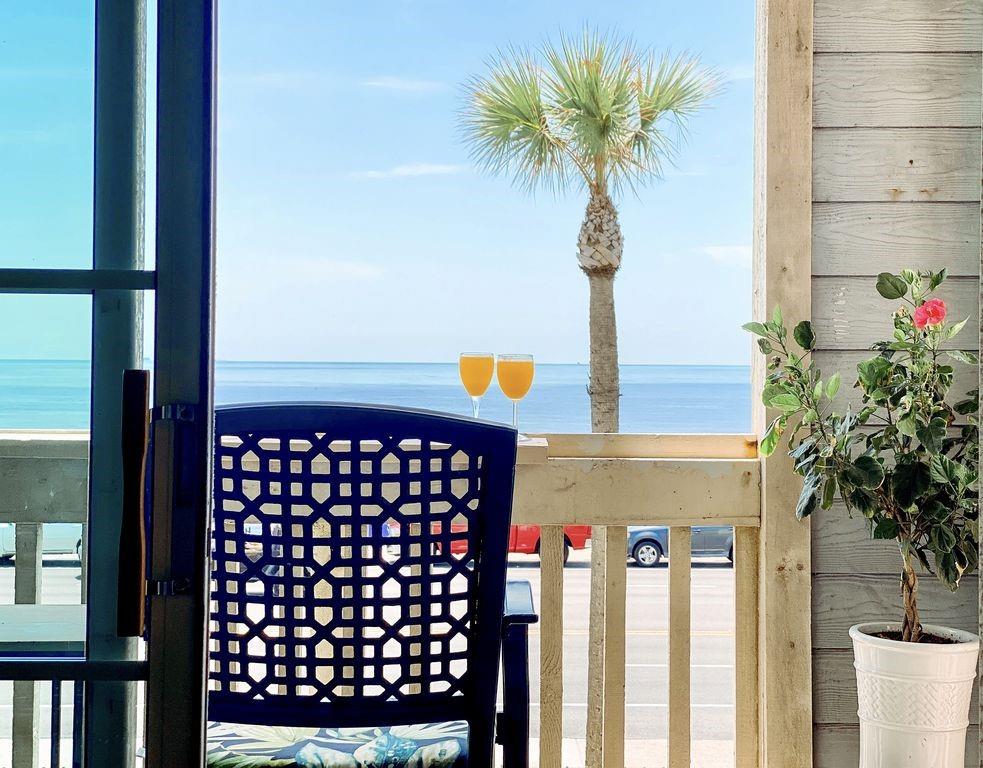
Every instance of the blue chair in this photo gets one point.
(359, 605)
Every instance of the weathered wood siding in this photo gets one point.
(896, 183)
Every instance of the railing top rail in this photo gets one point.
(651, 446)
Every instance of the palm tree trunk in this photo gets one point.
(604, 388)
(600, 248)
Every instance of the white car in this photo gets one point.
(56, 539)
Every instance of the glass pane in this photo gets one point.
(46, 88)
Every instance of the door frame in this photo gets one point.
(182, 401)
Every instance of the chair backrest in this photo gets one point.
(358, 573)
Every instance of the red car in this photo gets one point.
(523, 539)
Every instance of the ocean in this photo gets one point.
(54, 394)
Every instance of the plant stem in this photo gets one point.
(911, 630)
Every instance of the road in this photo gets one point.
(647, 624)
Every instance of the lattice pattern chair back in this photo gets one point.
(358, 569)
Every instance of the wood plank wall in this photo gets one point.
(896, 183)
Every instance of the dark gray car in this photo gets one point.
(648, 544)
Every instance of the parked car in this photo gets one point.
(523, 539)
(648, 544)
(56, 539)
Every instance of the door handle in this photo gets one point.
(131, 585)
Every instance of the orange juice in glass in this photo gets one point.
(515, 374)
(476, 374)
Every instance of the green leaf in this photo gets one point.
(909, 482)
(804, 335)
(776, 316)
(891, 286)
(872, 470)
(872, 373)
(886, 528)
(963, 357)
(833, 386)
(770, 439)
(787, 402)
(955, 328)
(908, 426)
(829, 493)
(807, 499)
(756, 328)
(937, 279)
(765, 346)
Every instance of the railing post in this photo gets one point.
(27, 590)
(680, 539)
(551, 647)
(615, 577)
(746, 647)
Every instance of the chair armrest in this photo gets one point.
(512, 727)
(519, 608)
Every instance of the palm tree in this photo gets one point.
(595, 114)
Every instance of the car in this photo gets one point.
(648, 544)
(523, 539)
(56, 539)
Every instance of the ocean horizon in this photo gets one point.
(54, 394)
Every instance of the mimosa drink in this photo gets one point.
(515, 374)
(476, 374)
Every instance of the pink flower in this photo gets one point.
(932, 312)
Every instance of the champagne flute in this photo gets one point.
(476, 374)
(515, 374)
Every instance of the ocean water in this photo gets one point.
(54, 394)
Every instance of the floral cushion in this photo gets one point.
(434, 745)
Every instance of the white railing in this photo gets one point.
(607, 481)
(43, 479)
(610, 482)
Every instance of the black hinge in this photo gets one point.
(176, 412)
(168, 587)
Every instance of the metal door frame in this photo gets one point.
(184, 279)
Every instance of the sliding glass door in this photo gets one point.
(104, 268)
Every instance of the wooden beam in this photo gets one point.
(680, 541)
(27, 591)
(638, 491)
(628, 446)
(746, 648)
(616, 576)
(551, 647)
(782, 276)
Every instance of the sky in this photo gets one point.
(352, 224)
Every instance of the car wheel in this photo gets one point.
(566, 550)
(647, 554)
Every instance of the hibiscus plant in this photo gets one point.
(898, 459)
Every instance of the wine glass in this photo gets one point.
(515, 374)
(476, 374)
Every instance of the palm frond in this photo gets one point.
(670, 90)
(595, 110)
(590, 81)
(507, 125)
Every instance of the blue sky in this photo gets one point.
(351, 224)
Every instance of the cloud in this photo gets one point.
(410, 170)
(404, 84)
(728, 255)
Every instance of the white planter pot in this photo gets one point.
(914, 698)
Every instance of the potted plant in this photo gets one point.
(900, 462)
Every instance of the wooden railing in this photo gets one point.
(610, 482)
(607, 481)
(43, 479)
